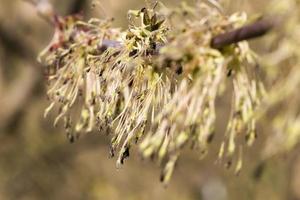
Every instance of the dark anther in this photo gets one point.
(258, 171)
(133, 53)
(167, 63)
(238, 113)
(65, 81)
(101, 72)
(111, 152)
(228, 164)
(102, 48)
(152, 157)
(130, 83)
(185, 13)
(136, 140)
(52, 48)
(210, 137)
(179, 70)
(153, 45)
(71, 138)
(71, 38)
(90, 42)
(60, 27)
(247, 136)
(203, 152)
(162, 177)
(93, 101)
(229, 72)
(125, 155)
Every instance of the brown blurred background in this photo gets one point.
(37, 161)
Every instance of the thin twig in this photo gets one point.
(252, 31)
(257, 29)
(44, 9)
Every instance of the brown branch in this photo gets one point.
(257, 29)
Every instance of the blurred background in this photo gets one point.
(38, 162)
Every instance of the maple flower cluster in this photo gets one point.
(154, 84)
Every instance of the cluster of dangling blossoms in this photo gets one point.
(155, 84)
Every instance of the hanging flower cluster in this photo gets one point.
(154, 84)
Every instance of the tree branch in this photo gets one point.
(257, 29)
(252, 31)
(13, 99)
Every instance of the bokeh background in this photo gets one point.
(38, 162)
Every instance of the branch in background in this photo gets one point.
(16, 46)
(16, 96)
(1, 72)
(12, 99)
